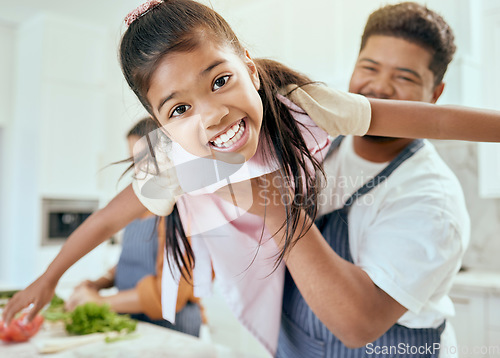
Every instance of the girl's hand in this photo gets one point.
(39, 293)
(81, 295)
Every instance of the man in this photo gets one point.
(396, 226)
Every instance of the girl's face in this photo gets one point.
(207, 101)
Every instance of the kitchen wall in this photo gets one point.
(65, 119)
(484, 247)
(474, 76)
(7, 43)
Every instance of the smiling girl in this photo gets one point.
(216, 103)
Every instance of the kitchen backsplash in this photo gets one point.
(484, 247)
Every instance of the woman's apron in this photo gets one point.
(139, 251)
(137, 260)
(302, 334)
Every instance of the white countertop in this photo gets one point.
(480, 280)
(153, 341)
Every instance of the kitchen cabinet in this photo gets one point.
(70, 112)
(7, 44)
(476, 295)
(72, 102)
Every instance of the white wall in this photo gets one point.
(7, 44)
(7, 65)
(70, 112)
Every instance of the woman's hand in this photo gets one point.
(89, 283)
(82, 294)
(39, 293)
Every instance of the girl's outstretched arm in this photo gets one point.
(120, 211)
(339, 112)
(411, 119)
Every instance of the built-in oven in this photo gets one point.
(60, 217)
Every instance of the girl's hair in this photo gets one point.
(143, 127)
(182, 25)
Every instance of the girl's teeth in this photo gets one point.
(230, 137)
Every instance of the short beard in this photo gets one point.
(378, 139)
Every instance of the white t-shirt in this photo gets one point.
(409, 233)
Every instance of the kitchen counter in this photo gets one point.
(478, 280)
(152, 341)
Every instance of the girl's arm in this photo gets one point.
(340, 293)
(339, 112)
(124, 208)
(410, 119)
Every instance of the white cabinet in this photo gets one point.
(7, 44)
(469, 321)
(67, 125)
(476, 295)
(73, 111)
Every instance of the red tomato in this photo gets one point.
(2, 331)
(18, 331)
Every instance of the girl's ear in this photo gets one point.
(252, 69)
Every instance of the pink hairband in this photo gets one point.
(141, 10)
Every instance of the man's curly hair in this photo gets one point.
(415, 23)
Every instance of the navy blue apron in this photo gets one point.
(137, 260)
(302, 334)
(139, 251)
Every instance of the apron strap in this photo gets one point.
(409, 151)
(335, 144)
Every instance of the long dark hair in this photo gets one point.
(181, 25)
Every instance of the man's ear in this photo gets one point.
(252, 69)
(438, 90)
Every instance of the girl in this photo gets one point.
(193, 76)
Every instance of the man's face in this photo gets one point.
(392, 68)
